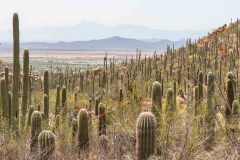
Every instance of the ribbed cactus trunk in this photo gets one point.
(7, 78)
(30, 111)
(36, 128)
(74, 127)
(101, 120)
(25, 87)
(57, 104)
(200, 86)
(96, 105)
(16, 76)
(210, 115)
(46, 143)
(46, 107)
(64, 101)
(230, 98)
(4, 100)
(83, 137)
(156, 101)
(145, 135)
(120, 95)
(46, 83)
(170, 106)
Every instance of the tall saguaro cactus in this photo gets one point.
(145, 135)
(83, 137)
(64, 101)
(36, 128)
(57, 105)
(25, 86)
(16, 69)
(101, 119)
(46, 106)
(46, 83)
(156, 100)
(4, 99)
(209, 117)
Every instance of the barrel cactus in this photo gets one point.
(82, 134)
(145, 135)
(46, 143)
(36, 128)
(102, 120)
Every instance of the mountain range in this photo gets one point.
(85, 31)
(109, 44)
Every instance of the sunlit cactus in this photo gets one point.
(46, 143)
(170, 105)
(46, 106)
(82, 134)
(36, 128)
(16, 76)
(145, 135)
(156, 100)
(25, 86)
(101, 120)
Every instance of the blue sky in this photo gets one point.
(161, 14)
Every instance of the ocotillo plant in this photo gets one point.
(101, 120)
(57, 104)
(46, 107)
(64, 101)
(83, 137)
(16, 76)
(46, 143)
(25, 86)
(210, 115)
(36, 128)
(46, 83)
(156, 100)
(4, 99)
(145, 135)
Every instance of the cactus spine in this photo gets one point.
(83, 137)
(46, 143)
(16, 77)
(25, 86)
(36, 128)
(102, 120)
(145, 135)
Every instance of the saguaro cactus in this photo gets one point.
(200, 86)
(25, 86)
(46, 106)
(57, 105)
(156, 100)
(16, 77)
(145, 135)
(46, 83)
(120, 95)
(46, 142)
(209, 117)
(96, 105)
(30, 111)
(170, 106)
(102, 120)
(230, 97)
(64, 101)
(6, 78)
(36, 128)
(4, 99)
(83, 137)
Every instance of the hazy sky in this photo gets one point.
(162, 14)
